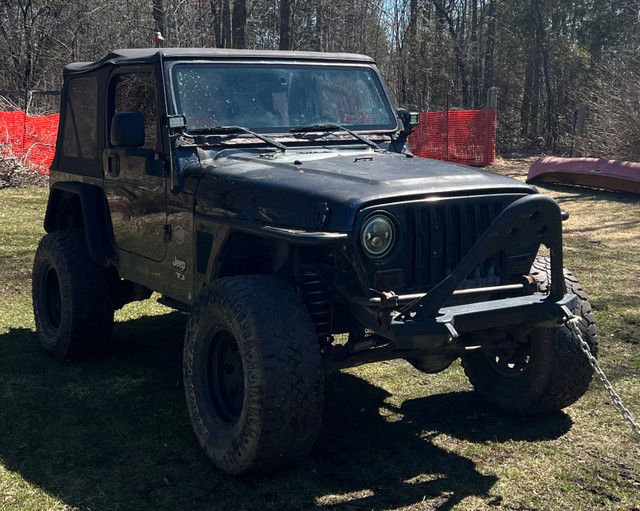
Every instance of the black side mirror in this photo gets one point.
(409, 119)
(127, 129)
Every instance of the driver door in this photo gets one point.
(134, 179)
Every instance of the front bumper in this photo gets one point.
(530, 311)
(428, 322)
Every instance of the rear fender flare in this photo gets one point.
(94, 217)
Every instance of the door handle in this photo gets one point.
(113, 165)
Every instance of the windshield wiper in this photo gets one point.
(335, 127)
(231, 130)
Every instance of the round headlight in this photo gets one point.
(377, 236)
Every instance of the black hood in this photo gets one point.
(291, 190)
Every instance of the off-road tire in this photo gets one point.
(73, 297)
(557, 373)
(262, 407)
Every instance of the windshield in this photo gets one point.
(279, 97)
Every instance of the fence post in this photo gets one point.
(489, 151)
(27, 100)
(492, 98)
(446, 131)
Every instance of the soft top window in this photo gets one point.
(81, 118)
(278, 97)
(136, 91)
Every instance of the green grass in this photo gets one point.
(113, 433)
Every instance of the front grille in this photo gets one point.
(441, 233)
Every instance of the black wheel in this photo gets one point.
(73, 297)
(253, 374)
(546, 370)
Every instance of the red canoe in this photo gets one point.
(621, 176)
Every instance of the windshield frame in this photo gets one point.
(378, 82)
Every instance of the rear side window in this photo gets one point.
(81, 118)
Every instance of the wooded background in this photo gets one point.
(545, 57)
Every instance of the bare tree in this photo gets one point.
(285, 25)
(239, 23)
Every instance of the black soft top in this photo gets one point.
(153, 55)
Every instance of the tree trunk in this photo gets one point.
(158, 15)
(320, 26)
(216, 21)
(226, 24)
(525, 107)
(531, 96)
(551, 128)
(457, 48)
(239, 23)
(285, 25)
(475, 71)
(490, 42)
(413, 20)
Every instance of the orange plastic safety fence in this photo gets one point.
(465, 136)
(462, 136)
(31, 139)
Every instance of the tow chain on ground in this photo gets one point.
(615, 398)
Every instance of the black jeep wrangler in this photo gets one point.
(273, 196)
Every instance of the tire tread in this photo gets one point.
(88, 297)
(564, 371)
(274, 323)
